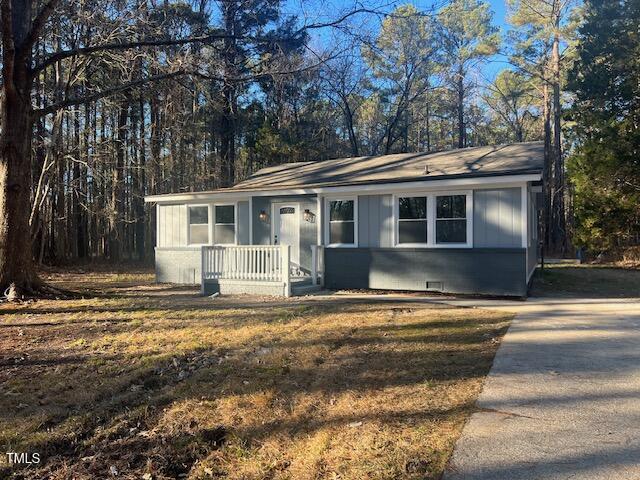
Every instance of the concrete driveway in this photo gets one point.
(562, 400)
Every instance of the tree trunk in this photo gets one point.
(462, 134)
(116, 205)
(140, 219)
(428, 126)
(16, 263)
(558, 213)
(353, 139)
(547, 170)
(229, 98)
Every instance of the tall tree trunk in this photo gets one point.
(348, 116)
(462, 131)
(139, 187)
(116, 206)
(558, 213)
(428, 126)
(79, 194)
(229, 96)
(547, 170)
(16, 263)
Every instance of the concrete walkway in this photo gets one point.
(562, 400)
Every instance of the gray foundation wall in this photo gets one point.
(178, 265)
(485, 271)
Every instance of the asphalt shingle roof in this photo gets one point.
(518, 158)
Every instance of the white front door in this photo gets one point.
(286, 228)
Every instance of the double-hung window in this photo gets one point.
(451, 219)
(342, 222)
(199, 225)
(432, 220)
(225, 224)
(412, 220)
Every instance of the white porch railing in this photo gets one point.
(259, 263)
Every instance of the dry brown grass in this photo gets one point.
(153, 380)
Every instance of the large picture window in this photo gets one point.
(342, 222)
(412, 220)
(225, 224)
(199, 225)
(451, 219)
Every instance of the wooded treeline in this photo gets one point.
(138, 97)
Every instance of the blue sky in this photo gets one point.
(324, 10)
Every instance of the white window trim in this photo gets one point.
(431, 219)
(189, 206)
(327, 223)
(235, 222)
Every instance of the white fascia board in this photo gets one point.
(380, 188)
(201, 197)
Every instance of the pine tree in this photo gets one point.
(605, 167)
(469, 38)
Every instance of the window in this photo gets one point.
(451, 219)
(342, 230)
(225, 224)
(199, 225)
(412, 220)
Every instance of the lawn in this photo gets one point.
(589, 281)
(147, 381)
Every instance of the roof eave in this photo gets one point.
(458, 180)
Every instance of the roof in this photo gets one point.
(511, 159)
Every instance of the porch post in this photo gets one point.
(314, 264)
(202, 268)
(286, 255)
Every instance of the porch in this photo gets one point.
(259, 270)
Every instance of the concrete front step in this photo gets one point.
(306, 289)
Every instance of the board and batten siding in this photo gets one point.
(375, 221)
(497, 218)
(242, 223)
(172, 226)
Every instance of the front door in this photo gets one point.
(286, 228)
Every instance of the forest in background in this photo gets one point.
(138, 97)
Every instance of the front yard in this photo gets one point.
(586, 281)
(145, 381)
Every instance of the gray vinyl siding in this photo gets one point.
(375, 220)
(487, 271)
(497, 218)
(308, 230)
(242, 219)
(533, 251)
